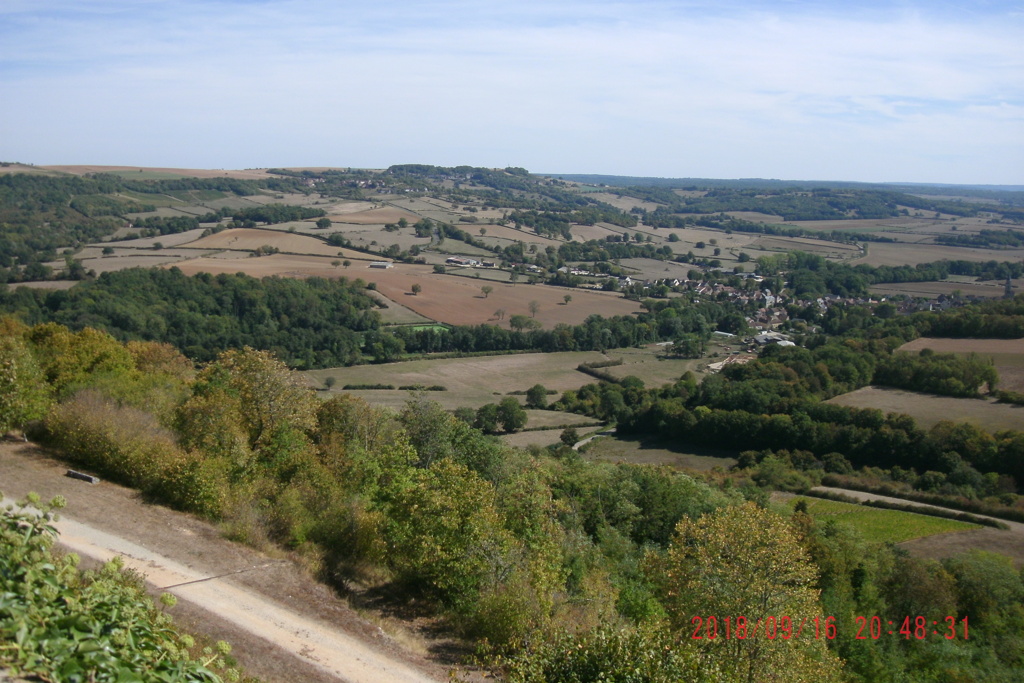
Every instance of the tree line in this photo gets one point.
(561, 569)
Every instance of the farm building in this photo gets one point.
(381, 264)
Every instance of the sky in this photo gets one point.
(900, 91)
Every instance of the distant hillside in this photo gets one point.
(1012, 195)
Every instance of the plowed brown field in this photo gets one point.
(250, 239)
(445, 298)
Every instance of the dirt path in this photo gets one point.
(1005, 542)
(283, 626)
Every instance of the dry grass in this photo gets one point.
(898, 254)
(1006, 354)
(46, 284)
(375, 216)
(656, 452)
(928, 409)
(396, 313)
(585, 233)
(248, 239)
(930, 290)
(470, 381)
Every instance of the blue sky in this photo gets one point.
(869, 91)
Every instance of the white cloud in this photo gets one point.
(656, 88)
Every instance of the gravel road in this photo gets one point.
(186, 557)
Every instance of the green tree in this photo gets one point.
(534, 307)
(487, 418)
(323, 223)
(417, 288)
(537, 396)
(511, 415)
(24, 393)
(486, 290)
(745, 561)
(567, 298)
(251, 393)
(445, 534)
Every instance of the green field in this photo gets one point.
(881, 526)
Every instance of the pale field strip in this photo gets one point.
(374, 216)
(989, 289)
(929, 409)
(174, 240)
(623, 203)
(899, 254)
(46, 284)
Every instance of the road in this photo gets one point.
(214, 591)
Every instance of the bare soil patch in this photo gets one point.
(929, 409)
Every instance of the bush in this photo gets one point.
(67, 625)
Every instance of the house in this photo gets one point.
(381, 264)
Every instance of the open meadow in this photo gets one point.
(904, 253)
(990, 289)
(251, 239)
(929, 409)
(469, 381)
(654, 451)
(1007, 356)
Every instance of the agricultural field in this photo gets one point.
(654, 269)
(543, 438)
(378, 216)
(395, 313)
(830, 250)
(250, 239)
(1006, 354)
(585, 233)
(991, 289)
(653, 451)
(878, 525)
(929, 409)
(903, 253)
(623, 203)
(469, 382)
(651, 365)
